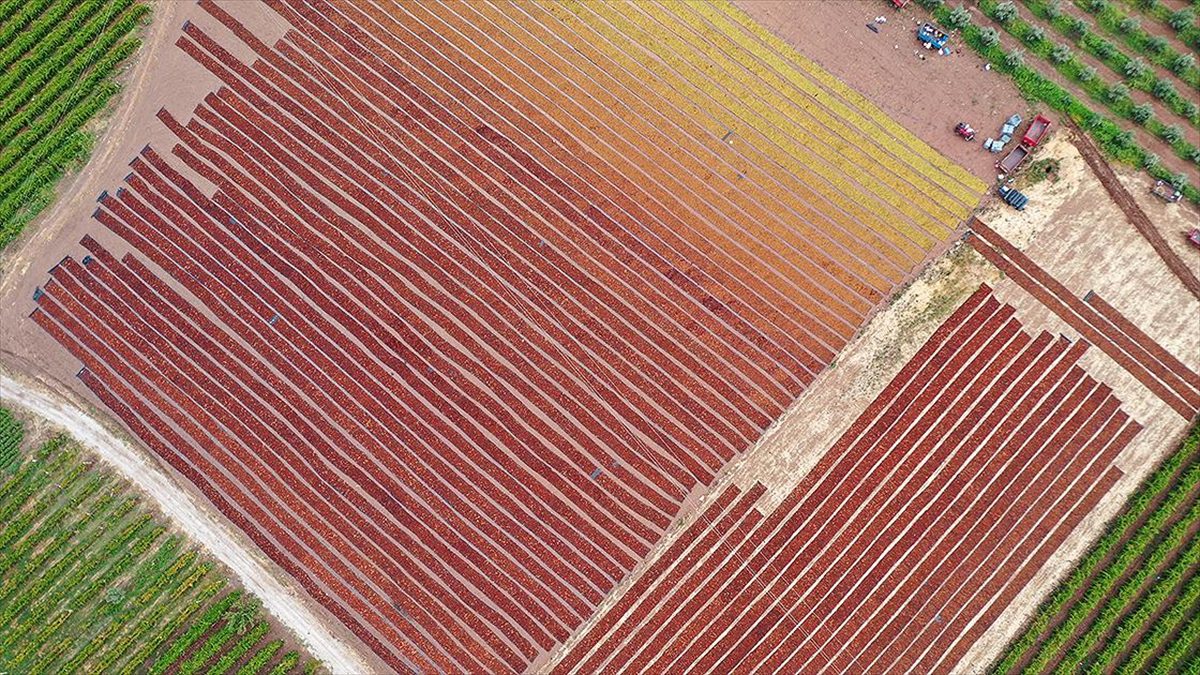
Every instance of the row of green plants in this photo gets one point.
(1122, 547)
(1128, 28)
(1118, 143)
(1160, 561)
(25, 50)
(1182, 21)
(57, 63)
(1115, 96)
(1136, 72)
(90, 581)
(39, 79)
(1150, 623)
(15, 15)
(12, 432)
(1182, 654)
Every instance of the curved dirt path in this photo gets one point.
(223, 542)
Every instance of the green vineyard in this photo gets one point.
(1132, 604)
(91, 581)
(58, 59)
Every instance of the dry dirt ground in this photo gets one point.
(927, 96)
(32, 364)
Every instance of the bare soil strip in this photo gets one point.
(1133, 212)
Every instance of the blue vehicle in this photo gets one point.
(1013, 198)
(931, 36)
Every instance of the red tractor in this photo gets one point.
(1193, 237)
(963, 129)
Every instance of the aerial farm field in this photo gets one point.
(588, 337)
(58, 59)
(94, 582)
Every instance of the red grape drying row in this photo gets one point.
(907, 539)
(1173, 382)
(453, 359)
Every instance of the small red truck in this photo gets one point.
(1036, 132)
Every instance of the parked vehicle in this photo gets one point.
(1037, 131)
(899, 4)
(1013, 159)
(963, 129)
(1193, 237)
(1014, 198)
(931, 36)
(1164, 191)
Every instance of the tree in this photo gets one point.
(1053, 10)
(1097, 6)
(990, 37)
(1129, 24)
(1061, 53)
(1135, 68)
(1151, 160)
(1117, 92)
(1157, 44)
(1182, 19)
(1035, 34)
(243, 614)
(1172, 134)
(1105, 49)
(1182, 63)
(1005, 11)
(959, 17)
(1178, 180)
(931, 4)
(1014, 59)
(1189, 108)
(1142, 113)
(1079, 27)
(1163, 90)
(1087, 73)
